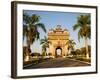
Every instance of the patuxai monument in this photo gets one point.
(58, 39)
(53, 39)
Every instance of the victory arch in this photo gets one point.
(58, 39)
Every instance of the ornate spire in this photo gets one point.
(58, 27)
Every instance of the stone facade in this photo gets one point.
(58, 39)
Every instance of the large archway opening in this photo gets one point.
(58, 52)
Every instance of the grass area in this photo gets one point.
(80, 58)
(35, 61)
(84, 59)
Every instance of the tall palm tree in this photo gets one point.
(30, 28)
(71, 44)
(45, 43)
(83, 24)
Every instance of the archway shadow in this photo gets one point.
(58, 52)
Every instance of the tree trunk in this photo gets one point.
(86, 45)
(27, 55)
(27, 51)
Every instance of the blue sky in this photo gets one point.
(51, 19)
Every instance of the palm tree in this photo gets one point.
(83, 24)
(30, 28)
(71, 45)
(45, 43)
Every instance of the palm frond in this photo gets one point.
(88, 32)
(42, 26)
(35, 18)
(25, 30)
(42, 41)
(37, 35)
(26, 18)
(76, 26)
(80, 34)
(30, 27)
(83, 24)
